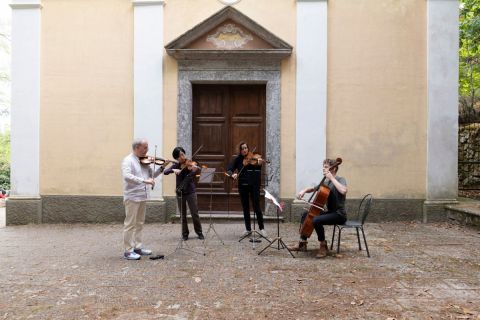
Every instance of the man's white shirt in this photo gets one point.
(134, 175)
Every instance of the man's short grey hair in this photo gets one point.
(137, 142)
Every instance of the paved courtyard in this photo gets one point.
(421, 271)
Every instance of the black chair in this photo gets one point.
(357, 223)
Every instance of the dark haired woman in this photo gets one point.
(185, 189)
(249, 178)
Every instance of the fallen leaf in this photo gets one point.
(468, 311)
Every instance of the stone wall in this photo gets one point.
(469, 151)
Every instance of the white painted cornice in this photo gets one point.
(229, 2)
(26, 5)
(148, 3)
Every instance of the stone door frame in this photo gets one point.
(234, 72)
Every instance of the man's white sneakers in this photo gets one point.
(143, 252)
(131, 256)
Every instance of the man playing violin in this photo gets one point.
(138, 179)
(185, 170)
(249, 178)
(335, 213)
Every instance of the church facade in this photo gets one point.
(373, 83)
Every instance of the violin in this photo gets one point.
(253, 159)
(189, 164)
(147, 160)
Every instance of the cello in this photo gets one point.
(316, 206)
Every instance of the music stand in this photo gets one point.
(278, 239)
(206, 176)
(255, 235)
(182, 246)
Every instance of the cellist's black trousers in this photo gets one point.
(248, 192)
(327, 218)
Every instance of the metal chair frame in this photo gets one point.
(362, 213)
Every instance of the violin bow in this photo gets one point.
(198, 150)
(153, 171)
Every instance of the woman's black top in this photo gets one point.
(250, 175)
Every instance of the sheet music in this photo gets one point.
(269, 196)
(206, 175)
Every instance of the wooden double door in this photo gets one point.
(224, 115)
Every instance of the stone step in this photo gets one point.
(227, 217)
(467, 212)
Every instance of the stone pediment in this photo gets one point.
(228, 34)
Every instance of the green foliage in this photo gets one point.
(5, 161)
(4, 74)
(469, 82)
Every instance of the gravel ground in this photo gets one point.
(421, 271)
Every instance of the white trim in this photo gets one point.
(25, 111)
(148, 2)
(229, 2)
(442, 117)
(148, 79)
(311, 92)
(25, 6)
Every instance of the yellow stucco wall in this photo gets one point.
(376, 91)
(377, 95)
(86, 95)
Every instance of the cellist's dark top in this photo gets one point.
(250, 175)
(336, 200)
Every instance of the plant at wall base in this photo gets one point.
(5, 161)
(469, 53)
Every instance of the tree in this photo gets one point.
(4, 76)
(469, 82)
(5, 161)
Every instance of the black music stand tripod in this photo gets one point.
(280, 244)
(254, 234)
(206, 176)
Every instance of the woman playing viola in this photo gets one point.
(249, 177)
(185, 170)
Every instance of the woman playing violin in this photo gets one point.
(246, 168)
(335, 213)
(185, 170)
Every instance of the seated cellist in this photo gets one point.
(335, 212)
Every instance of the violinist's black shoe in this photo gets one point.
(184, 238)
(200, 236)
